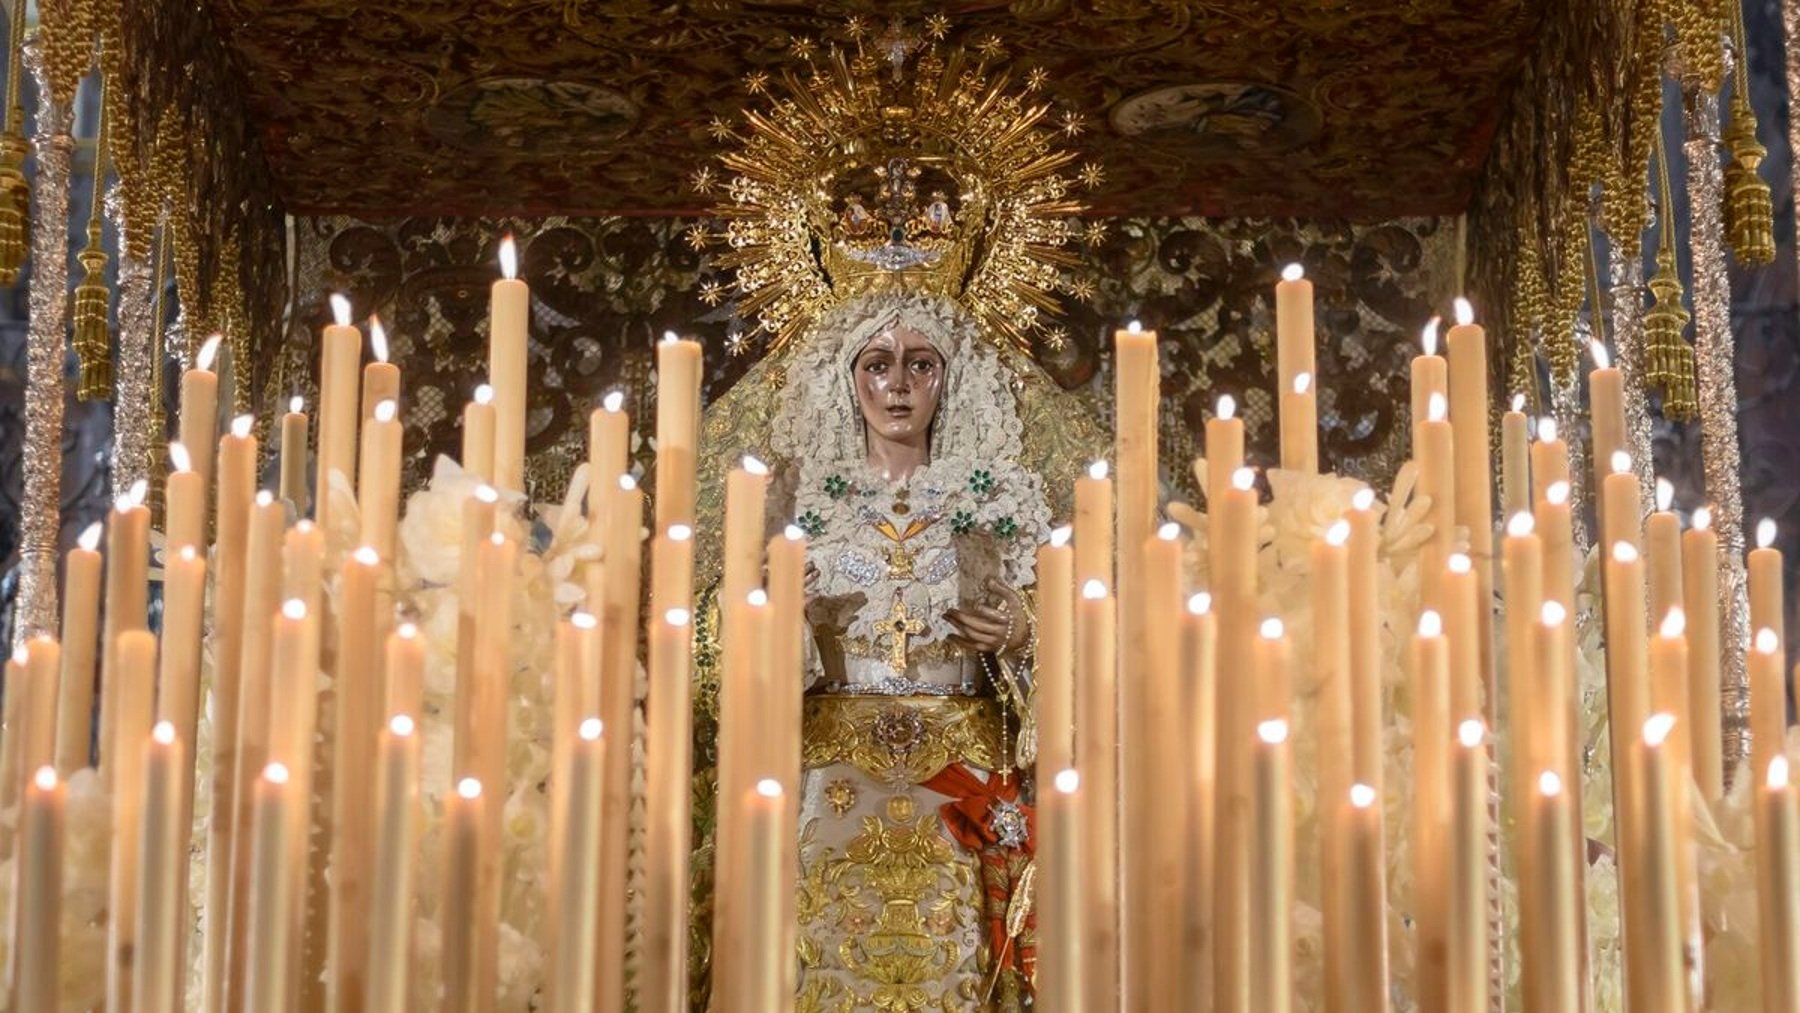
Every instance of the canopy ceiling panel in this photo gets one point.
(1359, 108)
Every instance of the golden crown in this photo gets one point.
(895, 162)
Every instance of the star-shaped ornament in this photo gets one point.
(712, 293)
(702, 181)
(719, 129)
(756, 82)
(1091, 175)
(1037, 78)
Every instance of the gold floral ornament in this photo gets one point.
(899, 164)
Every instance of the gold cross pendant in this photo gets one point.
(899, 626)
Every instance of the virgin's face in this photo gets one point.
(899, 379)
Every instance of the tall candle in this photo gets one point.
(80, 622)
(1552, 737)
(38, 932)
(1234, 596)
(1764, 567)
(1433, 450)
(162, 852)
(12, 743)
(1295, 371)
(357, 727)
(236, 487)
(340, 349)
(1431, 807)
(391, 906)
(1430, 374)
(1094, 526)
(272, 896)
(1549, 928)
(463, 822)
(1768, 699)
(740, 687)
(293, 723)
(133, 700)
(1606, 410)
(1336, 755)
(292, 485)
(509, 324)
(496, 559)
(1700, 600)
(1271, 870)
(1620, 503)
(1062, 960)
(1363, 967)
(1553, 523)
(668, 830)
(250, 745)
(178, 683)
(1627, 686)
(677, 428)
(478, 515)
(1474, 480)
(1364, 616)
(184, 503)
(1655, 967)
(619, 639)
(572, 967)
(1468, 915)
(198, 425)
(380, 378)
(575, 693)
(1096, 749)
(405, 670)
(127, 591)
(1778, 887)
(1526, 703)
(1662, 550)
(37, 709)
(1462, 601)
(1669, 696)
(1515, 459)
(609, 441)
(478, 435)
(1199, 648)
(1137, 395)
(764, 986)
(1055, 652)
(378, 478)
(1224, 456)
(1151, 737)
(1549, 459)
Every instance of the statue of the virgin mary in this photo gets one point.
(895, 226)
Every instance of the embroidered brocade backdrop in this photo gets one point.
(604, 290)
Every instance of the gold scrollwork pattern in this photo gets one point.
(901, 740)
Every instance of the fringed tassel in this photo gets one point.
(93, 336)
(1749, 207)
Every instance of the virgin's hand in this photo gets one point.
(991, 629)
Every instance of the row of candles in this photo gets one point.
(1137, 679)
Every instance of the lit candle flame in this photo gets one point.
(164, 732)
(1624, 552)
(1518, 402)
(1621, 462)
(1460, 563)
(1363, 499)
(378, 338)
(676, 617)
(755, 466)
(680, 532)
(1293, 272)
(1243, 479)
(1097, 470)
(1272, 629)
(497, 538)
(1199, 603)
(1674, 624)
(1549, 785)
(1553, 614)
(294, 608)
(1470, 733)
(208, 352)
(407, 631)
(1273, 732)
(1362, 796)
(1778, 773)
(1546, 429)
(179, 458)
(757, 598)
(1060, 536)
(1227, 407)
(1702, 518)
(1431, 624)
(1093, 590)
(484, 393)
(1338, 533)
(401, 725)
(1135, 327)
(487, 493)
(1436, 408)
(187, 554)
(241, 426)
(1765, 533)
(583, 620)
(367, 556)
(1766, 641)
(589, 730)
(1067, 781)
(1657, 729)
(275, 773)
(768, 787)
(1465, 313)
(627, 483)
(1428, 338)
(1302, 382)
(670, 337)
(1665, 494)
(386, 409)
(296, 404)
(793, 532)
(469, 788)
(1602, 358)
(613, 401)
(509, 257)
(139, 489)
(45, 778)
(1520, 525)
(1169, 531)
(340, 309)
(1558, 493)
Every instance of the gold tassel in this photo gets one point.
(1681, 402)
(1670, 359)
(1749, 208)
(93, 333)
(15, 191)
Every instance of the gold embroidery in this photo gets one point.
(865, 732)
(900, 563)
(900, 625)
(840, 795)
(936, 652)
